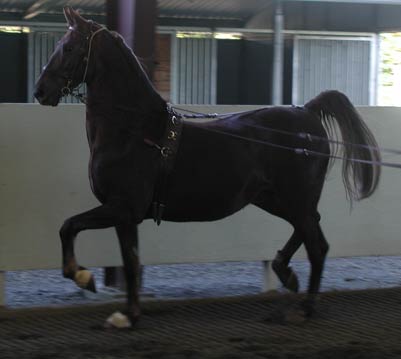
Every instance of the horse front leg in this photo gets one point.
(100, 217)
(128, 237)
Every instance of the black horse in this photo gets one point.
(136, 166)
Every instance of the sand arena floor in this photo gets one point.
(351, 324)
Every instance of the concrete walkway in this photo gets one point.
(43, 288)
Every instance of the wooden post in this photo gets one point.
(135, 21)
(2, 289)
(278, 62)
(270, 280)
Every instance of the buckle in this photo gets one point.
(165, 151)
(175, 120)
(65, 91)
(172, 135)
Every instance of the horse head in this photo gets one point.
(68, 65)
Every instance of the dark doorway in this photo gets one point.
(13, 65)
(244, 72)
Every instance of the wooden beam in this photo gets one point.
(2, 288)
(136, 21)
(38, 7)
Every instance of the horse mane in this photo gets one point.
(157, 104)
(133, 60)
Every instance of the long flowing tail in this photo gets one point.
(334, 108)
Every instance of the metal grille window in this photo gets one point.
(194, 70)
(345, 64)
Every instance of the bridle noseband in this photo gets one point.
(74, 91)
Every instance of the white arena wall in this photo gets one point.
(43, 180)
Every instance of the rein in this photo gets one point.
(301, 135)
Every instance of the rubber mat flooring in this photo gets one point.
(351, 324)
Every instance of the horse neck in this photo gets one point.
(119, 84)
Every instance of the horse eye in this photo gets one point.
(68, 48)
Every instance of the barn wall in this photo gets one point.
(162, 76)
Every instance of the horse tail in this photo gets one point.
(336, 111)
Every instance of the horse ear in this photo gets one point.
(79, 21)
(68, 16)
(73, 17)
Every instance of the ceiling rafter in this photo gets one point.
(38, 7)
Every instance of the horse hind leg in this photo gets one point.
(281, 262)
(308, 232)
(316, 247)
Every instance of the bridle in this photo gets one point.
(74, 91)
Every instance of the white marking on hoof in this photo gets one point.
(82, 278)
(118, 320)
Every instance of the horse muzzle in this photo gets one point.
(46, 99)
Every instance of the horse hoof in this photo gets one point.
(118, 320)
(292, 282)
(91, 286)
(84, 279)
(286, 275)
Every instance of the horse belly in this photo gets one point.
(211, 193)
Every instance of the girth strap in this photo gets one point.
(168, 149)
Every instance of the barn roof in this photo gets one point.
(347, 15)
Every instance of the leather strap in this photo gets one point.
(168, 149)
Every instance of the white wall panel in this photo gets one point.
(44, 155)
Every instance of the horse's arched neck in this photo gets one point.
(118, 83)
